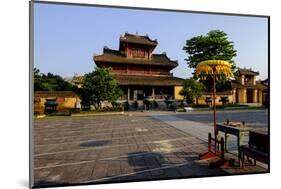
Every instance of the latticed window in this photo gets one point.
(138, 53)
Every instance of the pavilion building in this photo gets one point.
(139, 71)
(246, 89)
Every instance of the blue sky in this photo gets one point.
(66, 37)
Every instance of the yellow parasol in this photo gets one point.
(215, 68)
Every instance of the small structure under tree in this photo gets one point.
(224, 100)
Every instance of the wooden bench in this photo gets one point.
(257, 148)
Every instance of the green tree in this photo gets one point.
(37, 81)
(99, 86)
(192, 89)
(50, 82)
(213, 46)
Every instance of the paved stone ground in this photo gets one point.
(253, 118)
(194, 128)
(117, 148)
(199, 124)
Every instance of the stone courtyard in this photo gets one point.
(119, 148)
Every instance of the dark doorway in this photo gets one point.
(250, 96)
(140, 94)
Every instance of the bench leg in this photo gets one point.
(249, 160)
(225, 142)
(238, 145)
(240, 159)
(243, 160)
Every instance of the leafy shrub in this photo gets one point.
(180, 106)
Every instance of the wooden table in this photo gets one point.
(238, 131)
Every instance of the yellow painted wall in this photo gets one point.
(242, 95)
(261, 96)
(255, 95)
(201, 99)
(234, 95)
(67, 104)
(177, 95)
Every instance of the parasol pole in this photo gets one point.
(214, 103)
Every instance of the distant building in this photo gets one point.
(140, 72)
(246, 90)
(265, 92)
(77, 80)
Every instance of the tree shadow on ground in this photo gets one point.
(158, 166)
(44, 184)
(95, 143)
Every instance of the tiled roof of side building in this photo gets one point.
(148, 80)
(114, 56)
(138, 39)
(236, 84)
(47, 94)
(261, 85)
(245, 71)
(265, 81)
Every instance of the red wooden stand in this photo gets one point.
(215, 148)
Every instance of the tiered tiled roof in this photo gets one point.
(138, 39)
(117, 57)
(245, 71)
